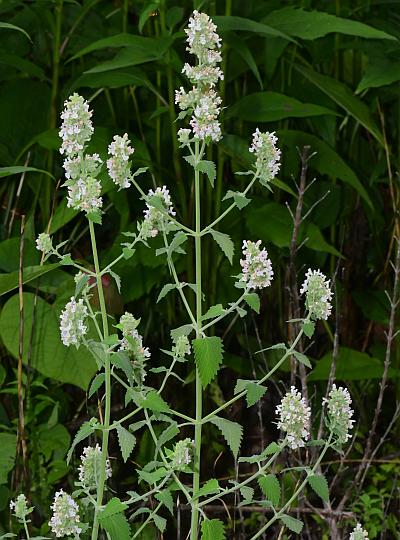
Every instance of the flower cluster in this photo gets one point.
(267, 155)
(44, 243)
(294, 418)
(339, 413)
(154, 218)
(89, 469)
(202, 101)
(20, 507)
(80, 170)
(118, 163)
(358, 533)
(72, 325)
(256, 266)
(183, 453)
(181, 347)
(65, 519)
(132, 342)
(318, 294)
(76, 129)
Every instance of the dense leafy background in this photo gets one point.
(325, 75)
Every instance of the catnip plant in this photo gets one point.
(91, 510)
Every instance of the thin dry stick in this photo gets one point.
(390, 336)
(18, 194)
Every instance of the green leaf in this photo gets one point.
(127, 253)
(155, 403)
(8, 442)
(10, 281)
(160, 522)
(165, 290)
(208, 356)
(254, 391)
(291, 523)
(232, 23)
(304, 24)
(146, 14)
(209, 488)
(252, 300)
(97, 382)
(302, 358)
(165, 497)
(271, 488)
(225, 243)
(86, 429)
(247, 493)
(208, 168)
(232, 432)
(379, 72)
(116, 525)
(17, 169)
(239, 199)
(126, 442)
(212, 529)
(9, 26)
(319, 484)
(213, 311)
(114, 506)
(42, 345)
(236, 43)
(339, 93)
(272, 106)
(308, 328)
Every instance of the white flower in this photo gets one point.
(85, 195)
(267, 155)
(256, 266)
(155, 219)
(339, 413)
(318, 294)
(132, 342)
(89, 469)
(183, 453)
(202, 36)
(65, 519)
(76, 129)
(118, 164)
(72, 325)
(294, 418)
(20, 507)
(44, 243)
(358, 533)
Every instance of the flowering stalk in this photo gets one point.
(107, 369)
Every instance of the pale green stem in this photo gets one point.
(288, 353)
(107, 370)
(75, 264)
(199, 389)
(227, 312)
(148, 494)
(131, 245)
(26, 530)
(244, 483)
(231, 207)
(296, 493)
(93, 317)
(146, 521)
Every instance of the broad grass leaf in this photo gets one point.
(239, 45)
(113, 79)
(19, 169)
(272, 106)
(48, 355)
(379, 72)
(10, 281)
(344, 97)
(232, 23)
(208, 356)
(304, 24)
(7, 455)
(232, 432)
(212, 529)
(9, 26)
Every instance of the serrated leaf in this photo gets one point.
(272, 448)
(155, 402)
(96, 384)
(253, 390)
(160, 522)
(319, 484)
(308, 328)
(208, 356)
(168, 434)
(302, 358)
(208, 167)
(190, 159)
(117, 526)
(209, 488)
(114, 506)
(117, 279)
(212, 529)
(165, 290)
(225, 243)
(177, 241)
(291, 523)
(232, 432)
(239, 199)
(127, 252)
(247, 493)
(252, 300)
(271, 488)
(214, 311)
(165, 497)
(83, 432)
(121, 360)
(81, 284)
(183, 330)
(126, 442)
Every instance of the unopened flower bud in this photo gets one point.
(183, 453)
(181, 347)
(20, 507)
(44, 243)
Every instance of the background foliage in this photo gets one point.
(323, 75)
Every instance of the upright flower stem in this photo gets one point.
(107, 369)
(199, 390)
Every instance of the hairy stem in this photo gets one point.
(107, 369)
